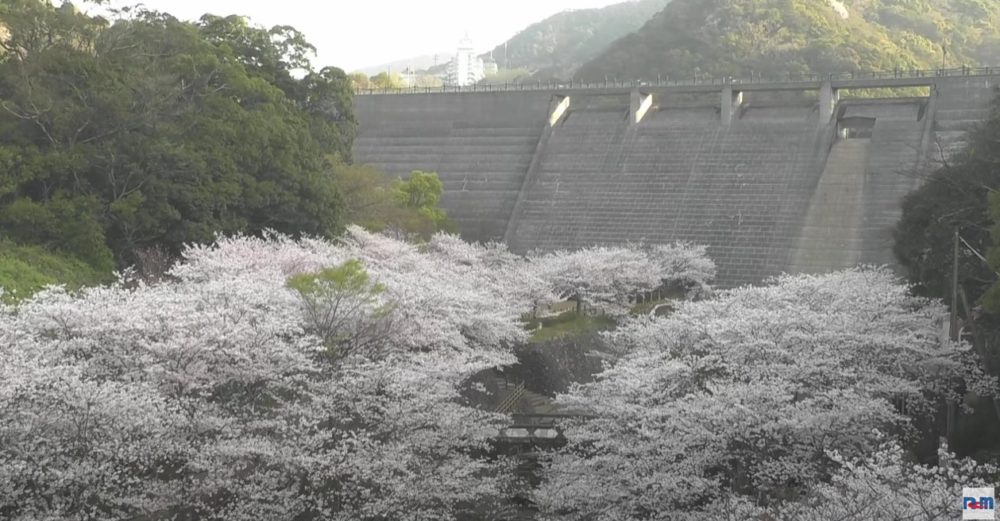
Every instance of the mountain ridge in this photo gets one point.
(555, 47)
(689, 38)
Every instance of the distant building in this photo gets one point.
(465, 68)
(490, 66)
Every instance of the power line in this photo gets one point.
(977, 254)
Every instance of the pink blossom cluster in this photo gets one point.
(209, 396)
(773, 402)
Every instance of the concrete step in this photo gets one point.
(972, 114)
(954, 126)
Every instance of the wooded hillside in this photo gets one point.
(771, 37)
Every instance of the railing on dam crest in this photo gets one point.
(863, 79)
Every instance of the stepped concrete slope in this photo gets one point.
(770, 186)
(480, 146)
(829, 237)
(895, 165)
(680, 175)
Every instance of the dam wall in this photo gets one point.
(677, 176)
(808, 183)
(831, 232)
(894, 167)
(480, 146)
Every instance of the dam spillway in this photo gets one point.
(760, 173)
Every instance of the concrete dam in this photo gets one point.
(791, 176)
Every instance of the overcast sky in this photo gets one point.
(361, 33)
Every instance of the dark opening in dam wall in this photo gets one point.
(773, 177)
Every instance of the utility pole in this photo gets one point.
(953, 329)
(953, 334)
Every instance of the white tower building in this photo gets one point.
(465, 68)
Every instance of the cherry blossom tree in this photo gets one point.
(606, 279)
(684, 266)
(443, 302)
(887, 485)
(884, 485)
(745, 396)
(271, 378)
(513, 274)
(267, 379)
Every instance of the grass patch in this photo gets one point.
(568, 324)
(646, 308)
(26, 269)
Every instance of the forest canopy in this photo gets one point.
(557, 46)
(738, 38)
(142, 130)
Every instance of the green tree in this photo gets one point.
(985, 157)
(427, 81)
(379, 203)
(384, 80)
(954, 198)
(345, 308)
(960, 197)
(369, 196)
(61, 223)
(26, 269)
(719, 38)
(359, 81)
(507, 76)
(277, 55)
(554, 48)
(421, 193)
(152, 131)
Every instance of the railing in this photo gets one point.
(693, 82)
(544, 420)
(531, 428)
(508, 403)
